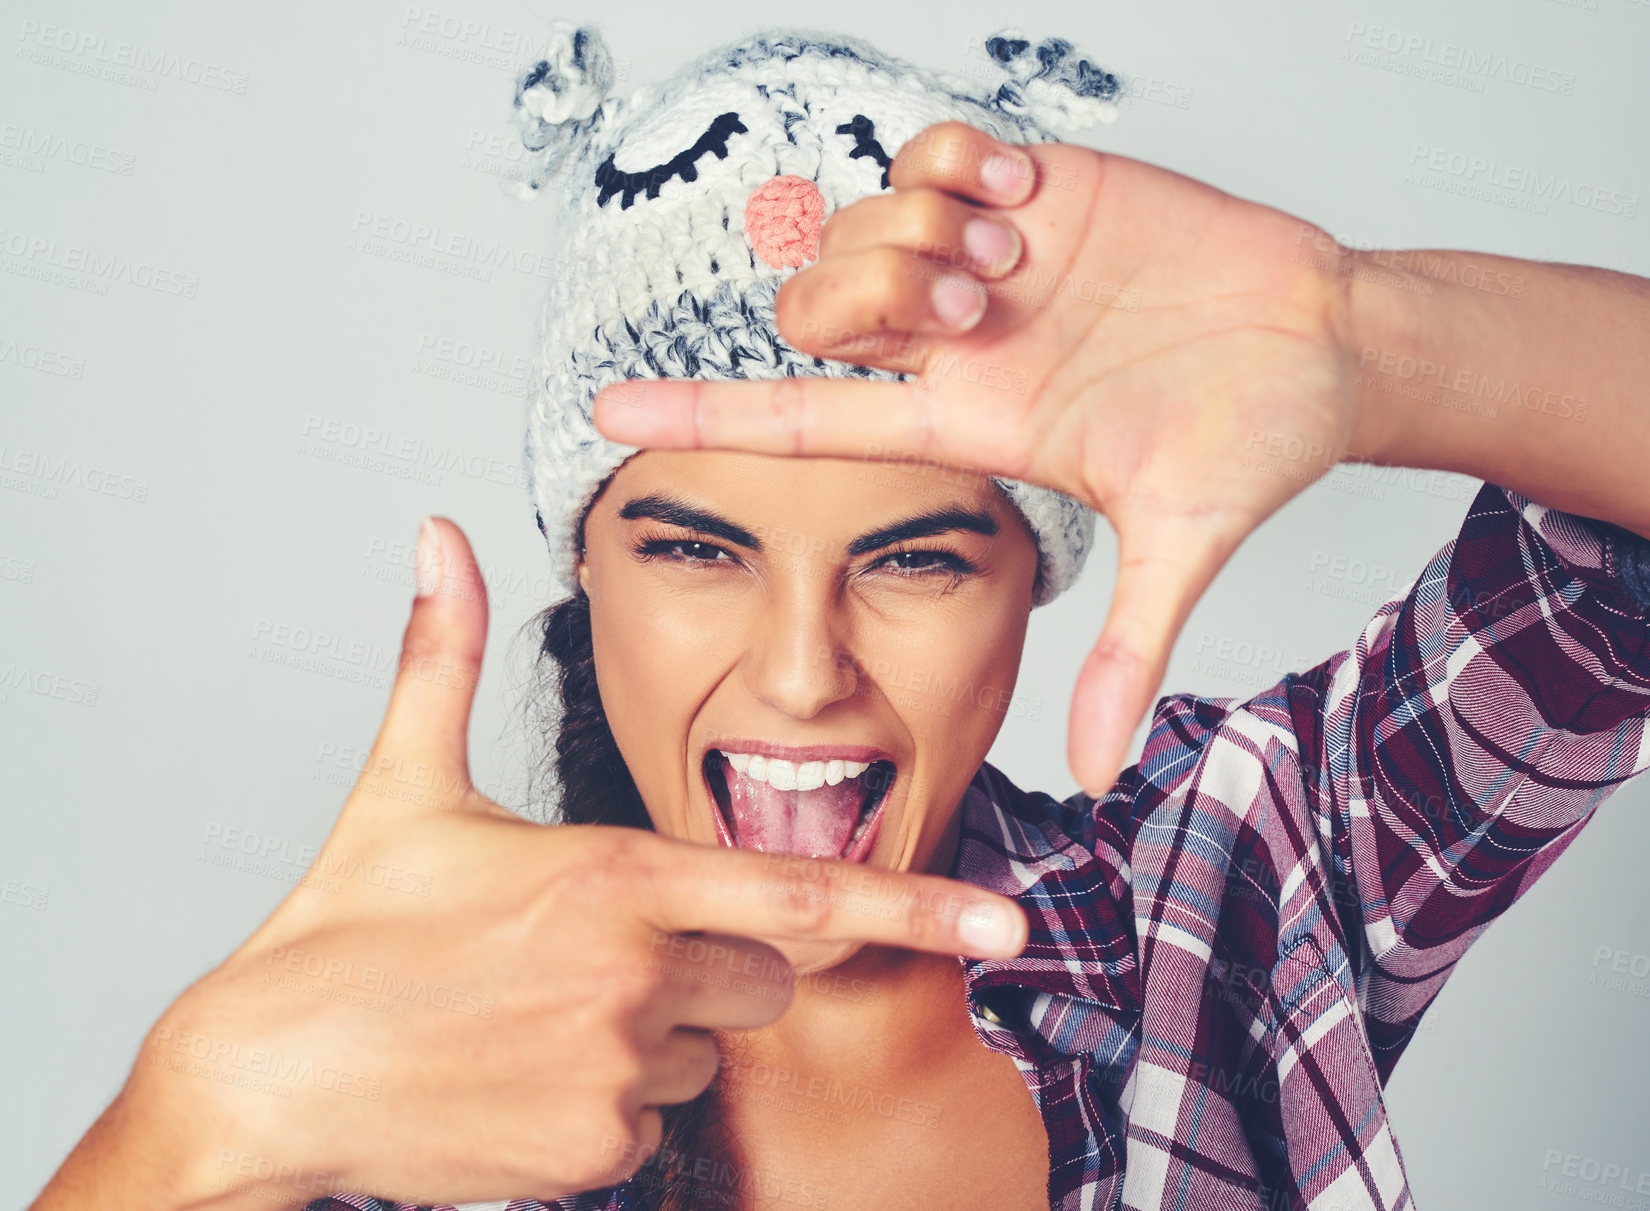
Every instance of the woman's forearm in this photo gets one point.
(1533, 375)
(145, 1165)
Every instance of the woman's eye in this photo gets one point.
(920, 563)
(699, 552)
(909, 565)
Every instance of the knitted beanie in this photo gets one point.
(685, 206)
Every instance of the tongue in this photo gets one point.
(814, 823)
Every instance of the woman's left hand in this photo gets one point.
(1175, 357)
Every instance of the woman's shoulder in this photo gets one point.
(1189, 735)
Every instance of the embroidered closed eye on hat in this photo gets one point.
(682, 208)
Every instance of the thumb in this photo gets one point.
(424, 740)
(1163, 567)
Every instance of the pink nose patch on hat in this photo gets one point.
(782, 220)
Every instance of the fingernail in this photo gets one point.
(991, 243)
(985, 927)
(429, 556)
(958, 300)
(1005, 173)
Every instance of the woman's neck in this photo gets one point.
(883, 1009)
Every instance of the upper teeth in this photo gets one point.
(789, 776)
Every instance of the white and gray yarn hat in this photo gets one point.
(683, 208)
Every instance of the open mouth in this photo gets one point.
(800, 815)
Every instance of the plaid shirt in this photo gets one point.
(1231, 948)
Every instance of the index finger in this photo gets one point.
(819, 417)
(964, 160)
(753, 894)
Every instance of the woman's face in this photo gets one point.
(869, 612)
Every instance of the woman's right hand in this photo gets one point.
(531, 998)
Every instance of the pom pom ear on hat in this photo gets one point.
(1051, 84)
(561, 101)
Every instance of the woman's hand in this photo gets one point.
(456, 1005)
(1171, 355)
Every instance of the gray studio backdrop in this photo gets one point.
(196, 617)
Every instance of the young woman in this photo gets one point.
(795, 928)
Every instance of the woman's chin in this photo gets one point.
(806, 958)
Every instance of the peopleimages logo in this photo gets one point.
(16, 676)
(378, 980)
(1590, 1171)
(42, 145)
(1467, 381)
(481, 34)
(458, 252)
(380, 450)
(41, 359)
(1472, 64)
(229, 1062)
(42, 41)
(1489, 174)
(74, 258)
(49, 473)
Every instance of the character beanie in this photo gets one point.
(683, 207)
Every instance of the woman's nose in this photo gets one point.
(798, 665)
(783, 216)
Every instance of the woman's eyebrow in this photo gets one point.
(924, 525)
(673, 510)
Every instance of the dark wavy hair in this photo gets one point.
(595, 787)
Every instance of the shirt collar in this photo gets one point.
(1042, 853)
